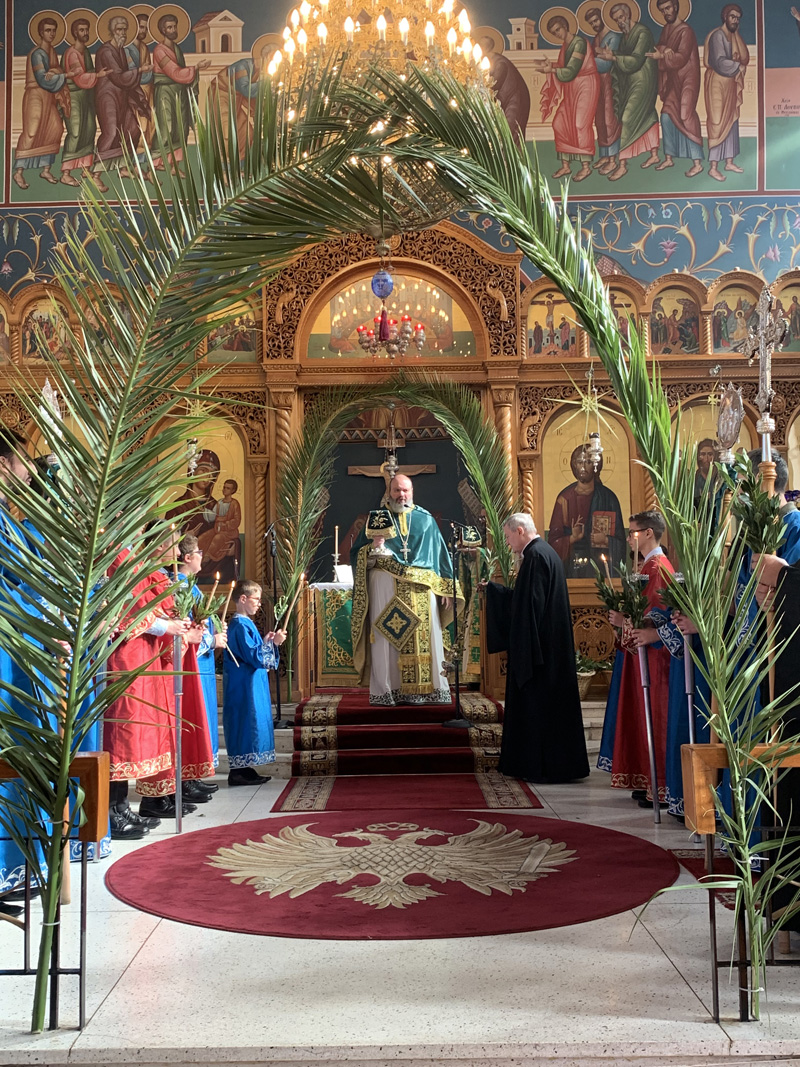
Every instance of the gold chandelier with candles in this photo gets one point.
(432, 34)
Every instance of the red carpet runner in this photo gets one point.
(337, 732)
(414, 874)
(378, 792)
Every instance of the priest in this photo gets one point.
(402, 600)
(543, 739)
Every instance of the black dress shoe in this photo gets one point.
(207, 787)
(147, 821)
(123, 826)
(649, 804)
(191, 791)
(247, 776)
(162, 807)
(639, 794)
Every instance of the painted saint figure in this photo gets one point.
(606, 121)
(139, 59)
(81, 119)
(726, 57)
(44, 102)
(634, 76)
(119, 98)
(172, 83)
(678, 59)
(572, 87)
(586, 521)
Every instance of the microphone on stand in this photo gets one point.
(464, 536)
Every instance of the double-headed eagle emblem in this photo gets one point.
(297, 861)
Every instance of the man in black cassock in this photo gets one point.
(787, 677)
(543, 739)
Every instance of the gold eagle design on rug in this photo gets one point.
(296, 861)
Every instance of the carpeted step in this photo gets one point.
(452, 760)
(352, 708)
(386, 736)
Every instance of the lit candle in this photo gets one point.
(430, 33)
(289, 48)
(277, 59)
(324, 7)
(228, 601)
(477, 53)
(452, 40)
(381, 27)
(635, 551)
(604, 558)
(302, 40)
(485, 64)
(294, 18)
(404, 28)
(466, 48)
(305, 11)
(287, 614)
(349, 29)
(336, 531)
(287, 33)
(463, 21)
(214, 588)
(322, 33)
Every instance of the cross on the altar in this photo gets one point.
(760, 343)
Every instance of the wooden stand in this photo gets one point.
(92, 770)
(700, 765)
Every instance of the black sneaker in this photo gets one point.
(207, 787)
(123, 826)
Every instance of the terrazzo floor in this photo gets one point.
(603, 992)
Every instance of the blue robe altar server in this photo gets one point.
(247, 706)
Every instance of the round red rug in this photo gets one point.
(405, 874)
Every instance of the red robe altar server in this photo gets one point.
(630, 766)
(139, 730)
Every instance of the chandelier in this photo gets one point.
(388, 333)
(367, 32)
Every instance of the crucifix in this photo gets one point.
(761, 341)
(389, 467)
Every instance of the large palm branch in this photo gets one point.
(209, 237)
(466, 143)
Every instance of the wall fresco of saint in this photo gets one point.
(651, 109)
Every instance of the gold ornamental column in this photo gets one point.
(527, 466)
(283, 401)
(503, 402)
(259, 467)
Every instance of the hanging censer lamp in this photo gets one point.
(390, 334)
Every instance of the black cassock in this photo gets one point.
(543, 737)
(787, 676)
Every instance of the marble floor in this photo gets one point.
(607, 991)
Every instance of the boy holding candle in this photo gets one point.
(247, 707)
